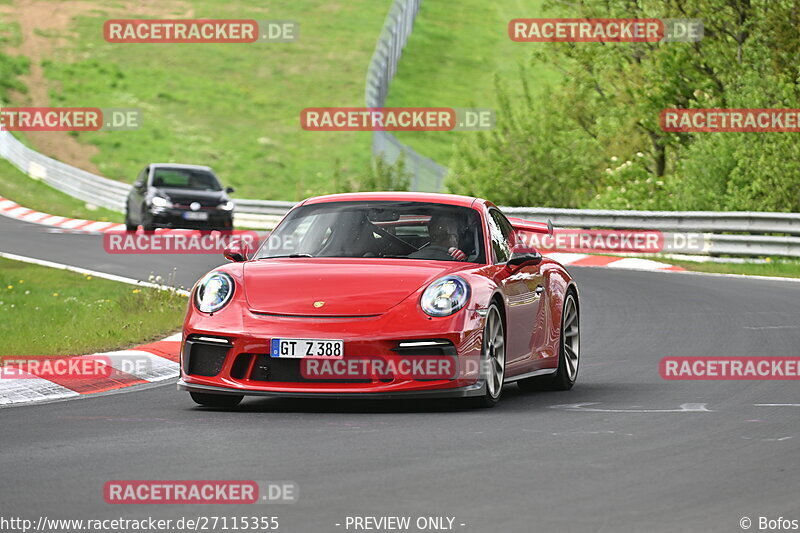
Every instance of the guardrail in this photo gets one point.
(103, 192)
(426, 174)
(90, 188)
(700, 221)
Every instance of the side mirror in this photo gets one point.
(229, 189)
(236, 251)
(524, 258)
(138, 184)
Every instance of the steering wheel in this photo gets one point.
(395, 238)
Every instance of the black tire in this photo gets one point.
(567, 372)
(147, 222)
(130, 226)
(492, 361)
(216, 400)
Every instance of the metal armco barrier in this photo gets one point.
(689, 232)
(426, 174)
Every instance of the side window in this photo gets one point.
(500, 231)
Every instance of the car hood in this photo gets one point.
(206, 198)
(348, 287)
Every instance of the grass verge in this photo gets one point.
(46, 311)
(777, 267)
(39, 196)
(453, 57)
(234, 107)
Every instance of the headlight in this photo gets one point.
(445, 296)
(226, 206)
(158, 201)
(213, 292)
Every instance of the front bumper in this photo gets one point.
(237, 360)
(174, 218)
(476, 389)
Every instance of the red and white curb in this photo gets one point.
(163, 358)
(12, 209)
(610, 261)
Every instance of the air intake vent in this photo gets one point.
(204, 356)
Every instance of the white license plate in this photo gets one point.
(299, 348)
(191, 215)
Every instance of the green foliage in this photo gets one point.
(379, 176)
(11, 68)
(46, 311)
(532, 157)
(602, 120)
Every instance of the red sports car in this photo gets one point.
(383, 295)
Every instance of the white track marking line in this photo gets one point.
(112, 277)
(684, 408)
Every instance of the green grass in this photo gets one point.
(783, 268)
(235, 107)
(471, 47)
(39, 196)
(45, 311)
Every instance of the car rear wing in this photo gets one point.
(526, 226)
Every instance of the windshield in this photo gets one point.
(407, 230)
(184, 178)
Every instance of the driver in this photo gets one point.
(443, 231)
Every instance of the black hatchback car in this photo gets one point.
(168, 195)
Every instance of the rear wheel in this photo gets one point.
(569, 352)
(493, 358)
(216, 400)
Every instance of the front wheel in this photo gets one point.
(147, 222)
(493, 358)
(569, 352)
(216, 400)
(130, 226)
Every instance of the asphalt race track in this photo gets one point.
(637, 454)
